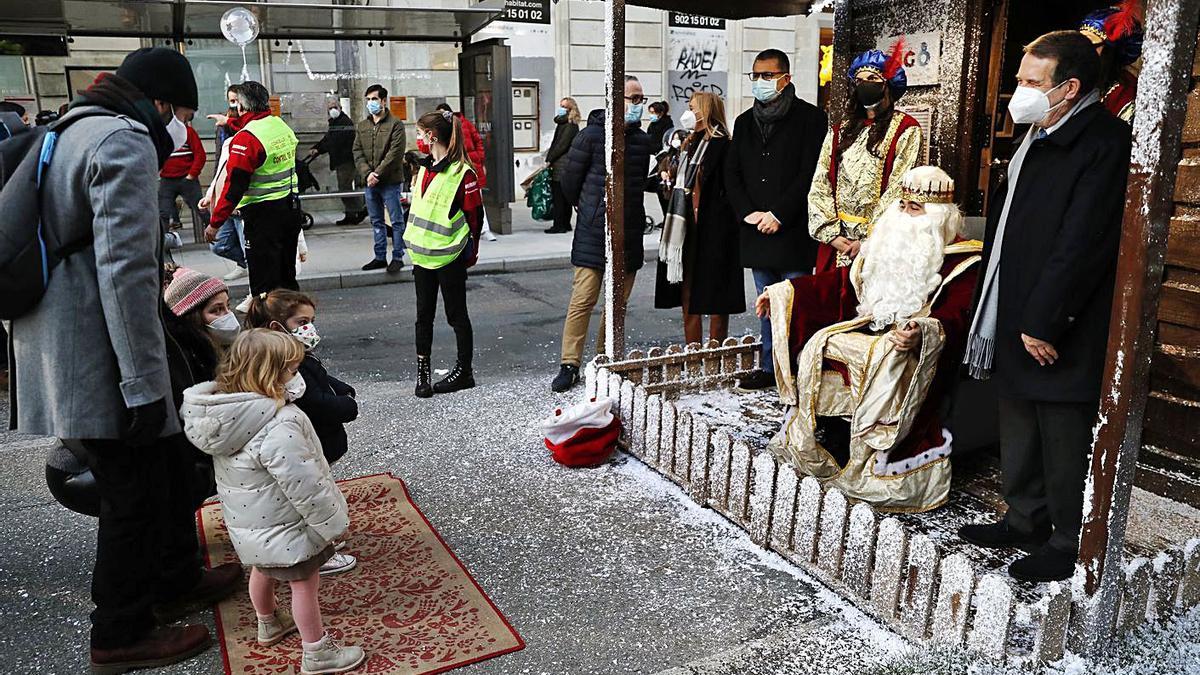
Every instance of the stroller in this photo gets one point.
(305, 181)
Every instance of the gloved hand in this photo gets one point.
(146, 423)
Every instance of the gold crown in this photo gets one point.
(932, 192)
(1094, 34)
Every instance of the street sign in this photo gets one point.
(681, 20)
(526, 11)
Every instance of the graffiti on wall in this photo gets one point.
(698, 61)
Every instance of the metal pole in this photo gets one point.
(1170, 31)
(614, 186)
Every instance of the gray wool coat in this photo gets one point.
(94, 346)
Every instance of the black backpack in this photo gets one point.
(28, 252)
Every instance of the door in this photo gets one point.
(485, 87)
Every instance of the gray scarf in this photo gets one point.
(768, 115)
(981, 342)
(670, 247)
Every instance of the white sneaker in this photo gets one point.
(237, 273)
(244, 306)
(340, 562)
(487, 234)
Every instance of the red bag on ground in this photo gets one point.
(584, 434)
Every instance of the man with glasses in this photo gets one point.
(768, 172)
(583, 185)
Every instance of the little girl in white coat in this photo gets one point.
(281, 504)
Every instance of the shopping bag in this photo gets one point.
(539, 197)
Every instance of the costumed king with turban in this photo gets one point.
(1117, 34)
(876, 347)
(863, 158)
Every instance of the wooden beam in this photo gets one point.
(614, 185)
(1171, 36)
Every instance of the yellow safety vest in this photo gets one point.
(276, 178)
(433, 235)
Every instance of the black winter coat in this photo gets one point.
(329, 404)
(583, 185)
(657, 130)
(338, 141)
(564, 134)
(711, 261)
(1059, 258)
(776, 177)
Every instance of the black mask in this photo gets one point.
(869, 93)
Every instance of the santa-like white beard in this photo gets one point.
(901, 264)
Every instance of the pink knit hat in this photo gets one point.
(190, 289)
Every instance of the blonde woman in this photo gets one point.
(566, 125)
(699, 265)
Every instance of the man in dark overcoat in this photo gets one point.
(1043, 305)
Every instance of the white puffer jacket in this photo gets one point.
(281, 503)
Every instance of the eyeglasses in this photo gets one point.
(768, 76)
(636, 99)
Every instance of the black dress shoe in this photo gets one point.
(1047, 564)
(375, 265)
(396, 266)
(756, 381)
(1001, 535)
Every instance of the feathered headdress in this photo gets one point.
(890, 67)
(1119, 28)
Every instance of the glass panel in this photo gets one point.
(217, 64)
(12, 77)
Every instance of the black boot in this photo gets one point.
(424, 375)
(568, 375)
(460, 378)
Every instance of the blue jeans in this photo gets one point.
(377, 198)
(762, 279)
(231, 241)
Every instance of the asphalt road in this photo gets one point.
(610, 570)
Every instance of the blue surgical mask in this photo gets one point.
(561, 112)
(653, 117)
(764, 90)
(633, 113)
(374, 107)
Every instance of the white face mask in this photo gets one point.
(225, 328)
(333, 113)
(308, 336)
(676, 142)
(687, 120)
(295, 388)
(1030, 105)
(177, 130)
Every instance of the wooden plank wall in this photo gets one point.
(1170, 460)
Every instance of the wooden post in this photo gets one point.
(614, 185)
(1170, 33)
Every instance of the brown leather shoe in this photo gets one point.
(215, 585)
(161, 647)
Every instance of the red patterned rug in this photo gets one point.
(410, 602)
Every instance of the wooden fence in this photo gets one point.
(900, 577)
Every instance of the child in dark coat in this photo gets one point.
(328, 402)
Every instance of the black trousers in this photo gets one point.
(562, 209)
(1044, 450)
(146, 546)
(271, 233)
(452, 280)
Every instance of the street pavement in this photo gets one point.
(337, 253)
(609, 570)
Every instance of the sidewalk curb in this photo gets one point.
(359, 279)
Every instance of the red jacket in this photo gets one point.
(473, 144)
(246, 154)
(187, 160)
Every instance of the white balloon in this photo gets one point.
(239, 26)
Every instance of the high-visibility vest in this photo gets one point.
(433, 235)
(276, 178)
